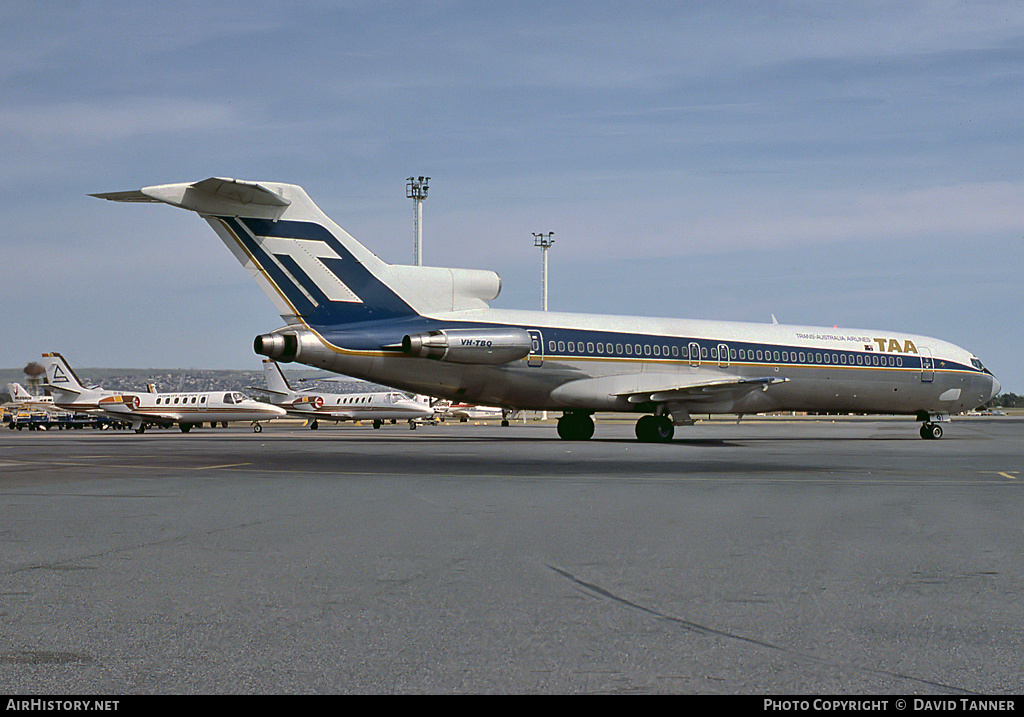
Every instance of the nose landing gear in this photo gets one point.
(931, 430)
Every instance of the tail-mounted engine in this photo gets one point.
(470, 346)
(280, 347)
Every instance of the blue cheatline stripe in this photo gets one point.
(377, 301)
(585, 346)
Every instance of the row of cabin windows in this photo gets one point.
(233, 397)
(676, 351)
(179, 399)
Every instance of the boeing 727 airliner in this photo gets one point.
(430, 330)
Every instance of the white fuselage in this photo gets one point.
(377, 406)
(821, 369)
(191, 408)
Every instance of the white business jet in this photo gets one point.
(142, 408)
(315, 406)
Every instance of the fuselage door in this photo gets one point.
(694, 353)
(536, 356)
(723, 355)
(927, 364)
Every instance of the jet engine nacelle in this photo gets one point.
(470, 346)
(280, 347)
(313, 401)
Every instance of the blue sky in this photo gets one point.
(855, 164)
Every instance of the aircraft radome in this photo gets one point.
(430, 330)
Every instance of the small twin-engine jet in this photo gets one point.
(315, 406)
(141, 408)
(430, 330)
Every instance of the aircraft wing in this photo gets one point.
(710, 390)
(661, 388)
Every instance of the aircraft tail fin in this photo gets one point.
(60, 376)
(18, 392)
(315, 273)
(277, 384)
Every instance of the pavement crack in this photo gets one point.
(694, 627)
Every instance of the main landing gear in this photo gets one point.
(655, 429)
(649, 429)
(575, 427)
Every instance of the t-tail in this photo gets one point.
(67, 390)
(316, 274)
(60, 377)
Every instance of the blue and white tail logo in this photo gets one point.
(321, 280)
(313, 271)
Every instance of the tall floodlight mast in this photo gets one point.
(544, 241)
(416, 190)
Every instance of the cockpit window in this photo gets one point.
(977, 364)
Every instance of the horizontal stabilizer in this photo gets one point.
(62, 387)
(216, 195)
(268, 391)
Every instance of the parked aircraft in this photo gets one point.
(379, 406)
(142, 408)
(430, 330)
(21, 399)
(472, 412)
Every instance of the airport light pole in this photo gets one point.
(544, 241)
(416, 190)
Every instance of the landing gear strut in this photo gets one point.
(575, 427)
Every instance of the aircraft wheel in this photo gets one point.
(575, 427)
(654, 429)
(314, 425)
(412, 425)
(186, 427)
(257, 428)
(931, 431)
(504, 422)
(377, 424)
(141, 429)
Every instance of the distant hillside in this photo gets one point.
(176, 379)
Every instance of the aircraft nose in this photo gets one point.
(996, 387)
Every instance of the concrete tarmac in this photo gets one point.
(768, 557)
